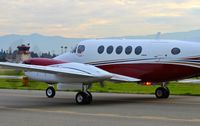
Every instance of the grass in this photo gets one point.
(175, 87)
(17, 84)
(11, 72)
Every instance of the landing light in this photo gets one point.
(148, 83)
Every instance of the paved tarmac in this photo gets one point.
(32, 108)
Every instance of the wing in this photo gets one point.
(72, 70)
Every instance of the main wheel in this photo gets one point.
(166, 92)
(50, 92)
(89, 97)
(162, 92)
(83, 98)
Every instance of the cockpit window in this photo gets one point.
(74, 49)
(81, 48)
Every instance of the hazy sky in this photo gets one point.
(98, 18)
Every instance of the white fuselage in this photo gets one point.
(149, 60)
(156, 50)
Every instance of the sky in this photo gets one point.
(98, 18)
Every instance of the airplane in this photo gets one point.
(145, 61)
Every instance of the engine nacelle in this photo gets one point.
(72, 86)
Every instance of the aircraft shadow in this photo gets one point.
(42, 102)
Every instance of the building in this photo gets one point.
(22, 53)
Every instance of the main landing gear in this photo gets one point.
(162, 92)
(84, 96)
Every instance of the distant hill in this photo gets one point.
(185, 36)
(53, 43)
(38, 42)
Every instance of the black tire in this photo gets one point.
(83, 98)
(89, 99)
(80, 98)
(162, 92)
(159, 92)
(50, 92)
(166, 92)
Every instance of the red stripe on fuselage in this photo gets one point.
(192, 58)
(42, 61)
(153, 72)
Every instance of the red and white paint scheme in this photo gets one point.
(126, 60)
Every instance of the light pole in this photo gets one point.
(61, 49)
(65, 49)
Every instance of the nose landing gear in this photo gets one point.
(50, 92)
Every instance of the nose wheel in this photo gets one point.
(50, 92)
(84, 96)
(162, 92)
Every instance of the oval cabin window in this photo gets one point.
(109, 49)
(128, 50)
(175, 51)
(138, 50)
(101, 49)
(119, 49)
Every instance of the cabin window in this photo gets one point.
(81, 48)
(138, 50)
(109, 49)
(175, 51)
(119, 49)
(101, 49)
(128, 50)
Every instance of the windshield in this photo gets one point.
(74, 49)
